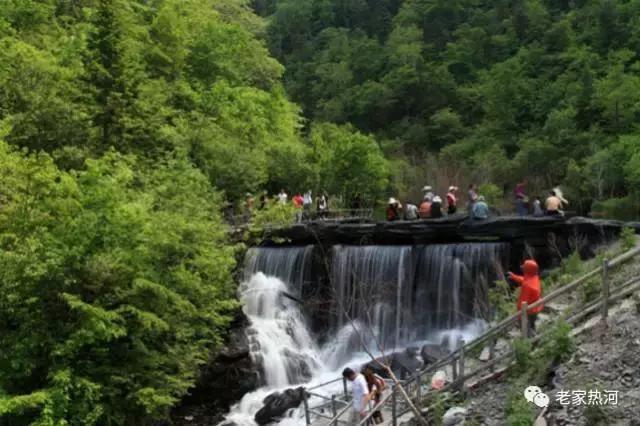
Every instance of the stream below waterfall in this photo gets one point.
(389, 297)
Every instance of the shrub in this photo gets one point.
(519, 411)
(273, 215)
(557, 345)
(628, 238)
(493, 195)
(502, 300)
(625, 208)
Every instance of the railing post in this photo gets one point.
(492, 353)
(419, 391)
(394, 406)
(605, 290)
(344, 387)
(524, 320)
(454, 368)
(461, 368)
(334, 410)
(307, 415)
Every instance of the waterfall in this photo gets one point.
(370, 285)
(290, 264)
(386, 297)
(406, 294)
(279, 337)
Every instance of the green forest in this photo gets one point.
(127, 126)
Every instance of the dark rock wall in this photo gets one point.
(229, 375)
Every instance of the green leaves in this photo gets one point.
(126, 288)
(348, 162)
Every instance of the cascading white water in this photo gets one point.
(411, 293)
(278, 336)
(389, 296)
(278, 333)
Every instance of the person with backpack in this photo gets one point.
(376, 386)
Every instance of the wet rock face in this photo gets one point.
(277, 404)
(222, 382)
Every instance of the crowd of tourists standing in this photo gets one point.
(432, 206)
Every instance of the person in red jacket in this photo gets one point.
(530, 290)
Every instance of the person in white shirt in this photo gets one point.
(283, 197)
(411, 212)
(360, 392)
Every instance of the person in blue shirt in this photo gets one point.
(480, 209)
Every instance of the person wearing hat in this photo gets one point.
(393, 209)
(452, 201)
(427, 192)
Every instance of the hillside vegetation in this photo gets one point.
(502, 91)
(126, 126)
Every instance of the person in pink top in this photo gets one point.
(452, 200)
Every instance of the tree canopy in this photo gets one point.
(535, 90)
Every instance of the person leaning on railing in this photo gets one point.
(530, 290)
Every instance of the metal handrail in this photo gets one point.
(321, 385)
(336, 419)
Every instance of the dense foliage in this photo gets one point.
(124, 126)
(127, 125)
(546, 91)
(115, 284)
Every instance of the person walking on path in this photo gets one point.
(360, 393)
(283, 197)
(472, 196)
(530, 290)
(307, 202)
(521, 199)
(322, 205)
(376, 386)
(452, 201)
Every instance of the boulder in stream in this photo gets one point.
(431, 353)
(277, 404)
